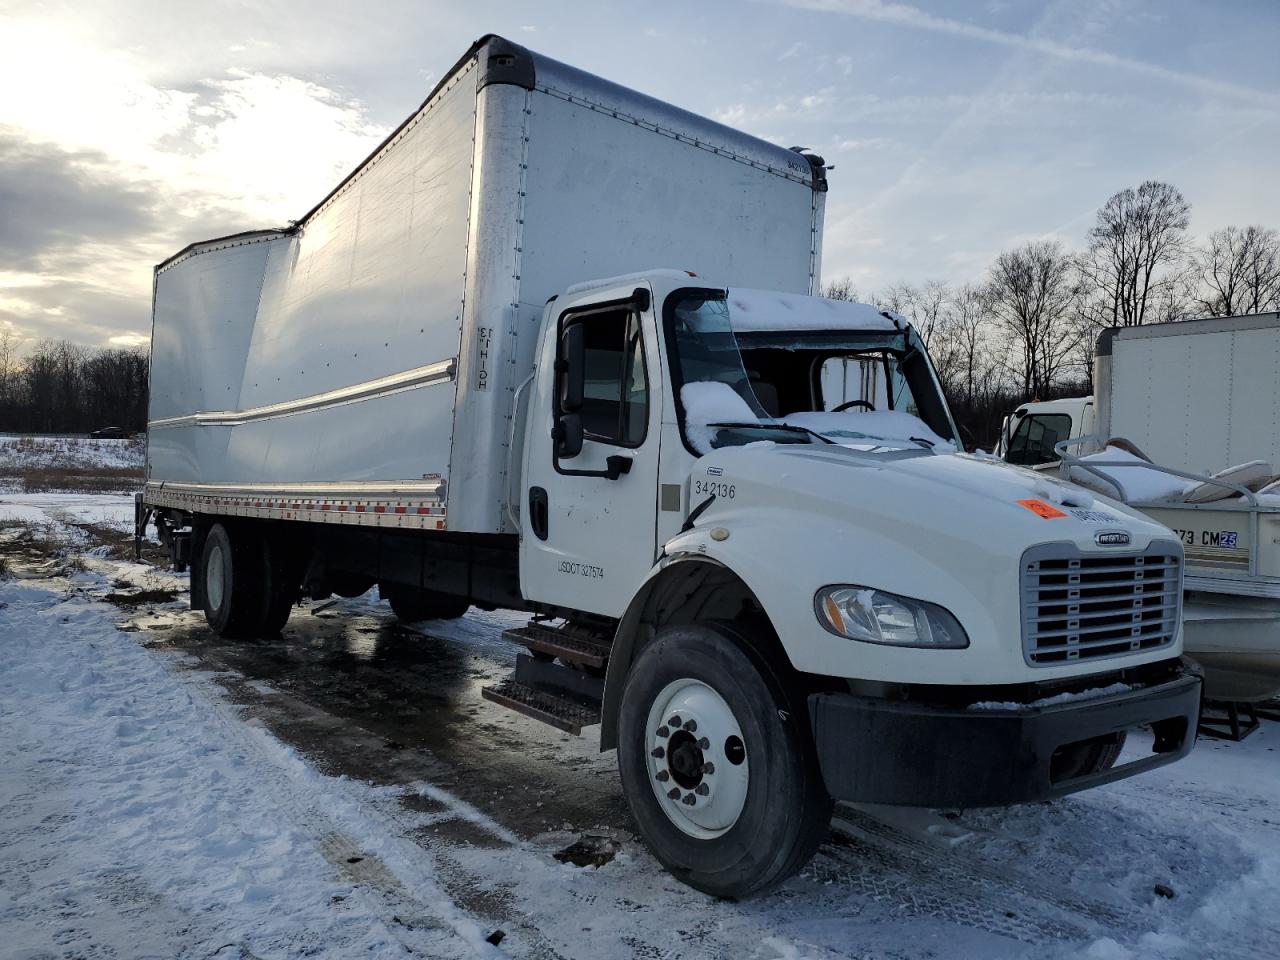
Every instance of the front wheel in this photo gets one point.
(717, 762)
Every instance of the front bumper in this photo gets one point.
(926, 755)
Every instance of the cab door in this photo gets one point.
(589, 508)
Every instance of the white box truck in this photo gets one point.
(1195, 409)
(752, 553)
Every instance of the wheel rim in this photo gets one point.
(697, 759)
(213, 577)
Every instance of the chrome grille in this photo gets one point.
(1088, 606)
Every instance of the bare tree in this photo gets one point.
(1031, 292)
(8, 371)
(842, 289)
(969, 365)
(62, 387)
(1138, 237)
(923, 305)
(1240, 271)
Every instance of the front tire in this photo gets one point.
(1087, 758)
(718, 764)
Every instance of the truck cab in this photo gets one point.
(762, 502)
(1030, 433)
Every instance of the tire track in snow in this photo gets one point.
(393, 853)
(890, 866)
(413, 918)
(957, 866)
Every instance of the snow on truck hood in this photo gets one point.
(708, 402)
(867, 429)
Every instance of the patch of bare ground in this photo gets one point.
(115, 544)
(141, 597)
(34, 549)
(74, 479)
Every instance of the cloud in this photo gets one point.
(851, 145)
(905, 15)
(104, 172)
(995, 107)
(55, 199)
(273, 145)
(129, 340)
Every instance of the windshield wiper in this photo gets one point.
(790, 428)
(922, 441)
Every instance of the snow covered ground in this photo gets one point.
(345, 792)
(69, 452)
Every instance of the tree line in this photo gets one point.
(62, 387)
(1026, 330)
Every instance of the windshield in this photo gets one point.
(1035, 438)
(869, 390)
(720, 405)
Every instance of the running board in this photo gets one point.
(567, 647)
(560, 712)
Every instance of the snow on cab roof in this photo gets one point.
(759, 311)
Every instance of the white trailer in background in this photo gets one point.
(752, 554)
(1195, 399)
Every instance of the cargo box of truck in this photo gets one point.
(369, 353)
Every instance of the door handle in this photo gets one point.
(539, 510)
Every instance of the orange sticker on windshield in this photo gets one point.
(1042, 509)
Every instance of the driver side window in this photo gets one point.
(615, 402)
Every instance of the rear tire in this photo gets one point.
(410, 604)
(234, 571)
(282, 564)
(765, 808)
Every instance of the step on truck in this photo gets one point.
(555, 346)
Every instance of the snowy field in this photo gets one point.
(69, 452)
(344, 792)
(69, 464)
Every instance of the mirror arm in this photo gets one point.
(615, 467)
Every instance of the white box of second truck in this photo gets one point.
(421, 279)
(1198, 395)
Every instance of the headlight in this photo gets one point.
(875, 616)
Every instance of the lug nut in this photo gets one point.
(702, 790)
(662, 776)
(689, 799)
(657, 752)
(708, 768)
(674, 721)
(704, 744)
(664, 732)
(674, 793)
(691, 725)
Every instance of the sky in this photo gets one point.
(957, 128)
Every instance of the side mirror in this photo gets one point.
(572, 368)
(567, 435)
